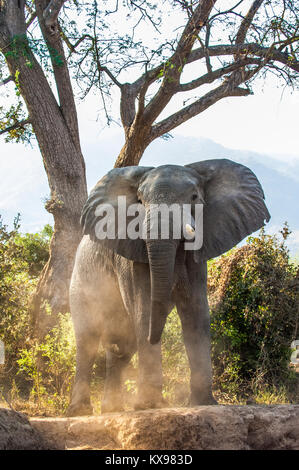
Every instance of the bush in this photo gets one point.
(35, 249)
(253, 293)
(21, 260)
(50, 366)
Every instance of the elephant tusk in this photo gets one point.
(190, 230)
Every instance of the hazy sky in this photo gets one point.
(266, 122)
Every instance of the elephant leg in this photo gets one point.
(195, 319)
(149, 376)
(196, 333)
(113, 399)
(87, 348)
(137, 304)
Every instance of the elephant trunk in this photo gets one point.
(161, 255)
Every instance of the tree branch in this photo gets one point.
(127, 106)
(51, 13)
(245, 24)
(220, 50)
(109, 73)
(59, 64)
(183, 115)
(31, 19)
(210, 77)
(173, 68)
(6, 80)
(141, 85)
(250, 48)
(225, 12)
(72, 47)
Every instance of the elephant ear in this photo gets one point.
(234, 205)
(118, 182)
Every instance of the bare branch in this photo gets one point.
(184, 114)
(144, 14)
(31, 19)
(210, 77)
(222, 50)
(245, 24)
(251, 48)
(109, 73)
(72, 47)
(205, 48)
(6, 80)
(225, 12)
(174, 66)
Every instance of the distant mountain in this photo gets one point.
(24, 185)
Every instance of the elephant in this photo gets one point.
(123, 289)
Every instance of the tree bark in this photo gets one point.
(65, 169)
(137, 140)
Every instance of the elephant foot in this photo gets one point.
(145, 404)
(110, 408)
(79, 409)
(203, 400)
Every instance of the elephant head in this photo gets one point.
(233, 207)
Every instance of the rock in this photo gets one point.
(16, 433)
(206, 427)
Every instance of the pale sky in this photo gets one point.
(266, 122)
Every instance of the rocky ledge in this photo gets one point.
(207, 427)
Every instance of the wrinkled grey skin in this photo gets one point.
(122, 290)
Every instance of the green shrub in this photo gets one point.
(50, 365)
(16, 287)
(253, 293)
(21, 260)
(35, 249)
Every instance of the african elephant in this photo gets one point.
(122, 290)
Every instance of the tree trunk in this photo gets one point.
(137, 140)
(65, 168)
(53, 285)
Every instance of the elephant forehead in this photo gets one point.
(168, 180)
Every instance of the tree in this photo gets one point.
(54, 122)
(43, 42)
(246, 43)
